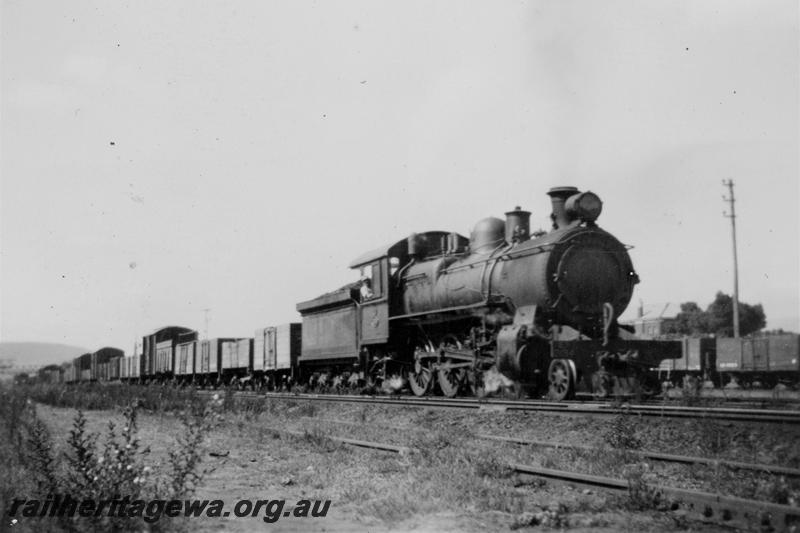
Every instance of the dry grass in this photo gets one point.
(456, 474)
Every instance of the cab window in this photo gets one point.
(377, 280)
(371, 282)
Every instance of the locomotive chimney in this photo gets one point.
(518, 225)
(558, 197)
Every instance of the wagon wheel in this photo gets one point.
(353, 382)
(562, 382)
(338, 383)
(648, 386)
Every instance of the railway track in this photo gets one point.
(664, 457)
(706, 507)
(725, 510)
(566, 407)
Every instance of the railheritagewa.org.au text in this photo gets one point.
(153, 510)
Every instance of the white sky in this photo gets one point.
(258, 147)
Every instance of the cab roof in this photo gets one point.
(426, 242)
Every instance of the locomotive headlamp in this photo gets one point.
(585, 206)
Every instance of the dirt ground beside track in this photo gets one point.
(454, 481)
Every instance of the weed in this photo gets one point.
(641, 495)
(621, 433)
(778, 490)
(319, 440)
(712, 437)
(430, 446)
(307, 409)
(40, 454)
(490, 466)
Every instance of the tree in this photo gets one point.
(720, 316)
(690, 321)
(717, 318)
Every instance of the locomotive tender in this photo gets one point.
(445, 311)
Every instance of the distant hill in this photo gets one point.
(38, 353)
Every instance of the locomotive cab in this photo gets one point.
(375, 299)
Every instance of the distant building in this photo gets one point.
(648, 325)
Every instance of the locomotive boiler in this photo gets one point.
(440, 311)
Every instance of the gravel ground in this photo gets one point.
(455, 481)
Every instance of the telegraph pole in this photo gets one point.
(732, 215)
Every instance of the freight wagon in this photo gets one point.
(103, 362)
(210, 361)
(83, 367)
(766, 360)
(236, 362)
(699, 360)
(158, 351)
(275, 356)
(185, 362)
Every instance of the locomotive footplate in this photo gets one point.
(641, 353)
(616, 367)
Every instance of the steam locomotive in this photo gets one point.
(442, 313)
(450, 313)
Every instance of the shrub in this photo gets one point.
(99, 469)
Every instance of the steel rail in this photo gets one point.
(661, 411)
(658, 456)
(724, 509)
(402, 450)
(667, 457)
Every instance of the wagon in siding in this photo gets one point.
(698, 362)
(763, 360)
(276, 350)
